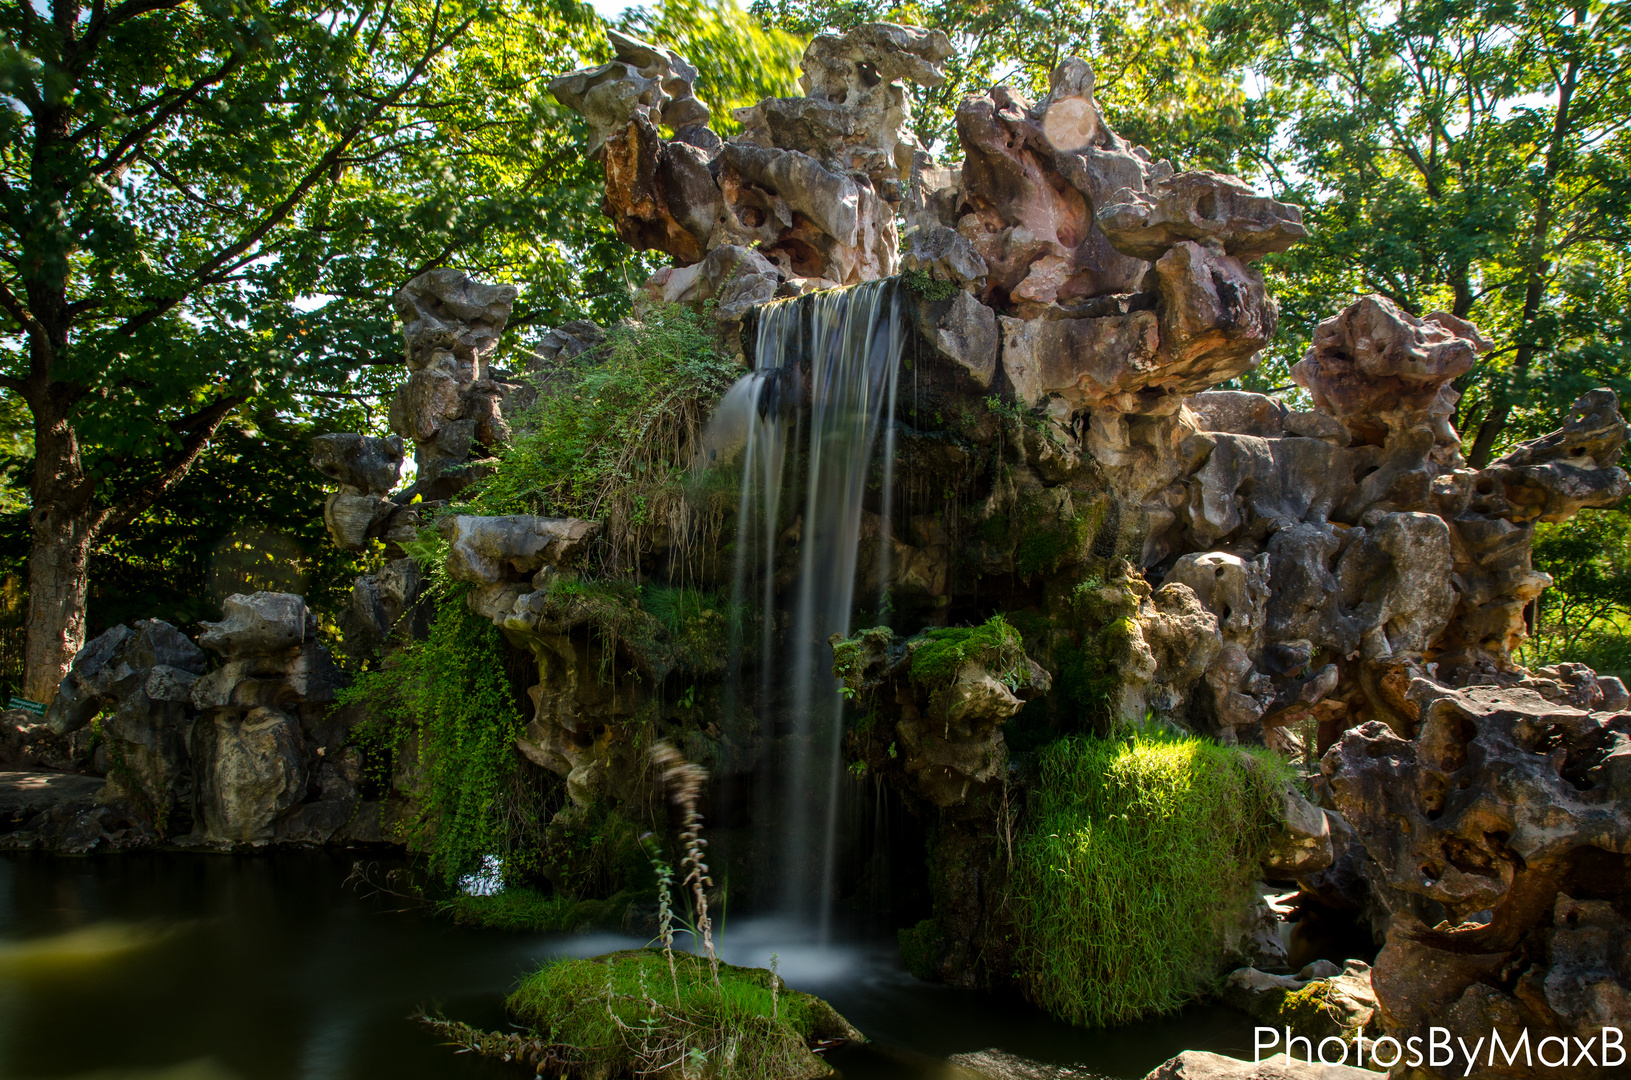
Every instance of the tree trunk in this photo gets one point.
(63, 524)
(57, 587)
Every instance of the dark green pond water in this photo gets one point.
(197, 967)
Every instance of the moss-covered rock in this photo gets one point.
(629, 1014)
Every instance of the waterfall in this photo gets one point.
(821, 393)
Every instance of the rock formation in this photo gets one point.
(270, 761)
(1332, 580)
(803, 198)
(139, 680)
(1499, 826)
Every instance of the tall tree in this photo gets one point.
(1470, 156)
(206, 207)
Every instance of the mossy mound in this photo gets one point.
(938, 654)
(624, 1015)
(1136, 852)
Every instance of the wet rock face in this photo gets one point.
(803, 198)
(1500, 835)
(269, 761)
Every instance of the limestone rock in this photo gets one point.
(265, 727)
(809, 183)
(139, 679)
(1239, 413)
(1032, 179)
(1489, 830)
(1200, 1065)
(1381, 370)
(361, 462)
(490, 549)
(964, 331)
(1216, 211)
(944, 255)
(1330, 1002)
(994, 1064)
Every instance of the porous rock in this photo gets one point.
(1499, 836)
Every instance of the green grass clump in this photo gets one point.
(927, 286)
(938, 653)
(526, 910)
(1135, 854)
(621, 1015)
(610, 437)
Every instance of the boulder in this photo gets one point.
(1497, 833)
(1219, 212)
(1201, 1065)
(490, 550)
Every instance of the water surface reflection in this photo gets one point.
(168, 966)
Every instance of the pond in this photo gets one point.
(175, 966)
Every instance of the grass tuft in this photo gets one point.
(1136, 853)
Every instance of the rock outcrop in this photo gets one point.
(803, 198)
(269, 759)
(1499, 827)
(139, 680)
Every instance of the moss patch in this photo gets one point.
(1135, 853)
(937, 654)
(624, 1014)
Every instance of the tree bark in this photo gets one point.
(63, 526)
(57, 587)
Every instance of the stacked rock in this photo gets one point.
(269, 758)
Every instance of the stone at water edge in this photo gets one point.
(1200, 1065)
(996, 1064)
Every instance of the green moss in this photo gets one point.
(625, 1015)
(938, 653)
(522, 909)
(926, 286)
(1134, 854)
(920, 947)
(1051, 532)
(1309, 1012)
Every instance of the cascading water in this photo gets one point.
(821, 393)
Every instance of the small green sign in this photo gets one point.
(28, 706)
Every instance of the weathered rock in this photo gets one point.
(490, 550)
(385, 608)
(361, 462)
(451, 405)
(1218, 212)
(809, 182)
(1495, 833)
(1320, 1002)
(1200, 1065)
(1382, 371)
(139, 679)
(266, 727)
(994, 1064)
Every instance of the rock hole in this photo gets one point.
(1219, 572)
(1485, 486)
(1207, 205)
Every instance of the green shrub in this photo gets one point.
(624, 1014)
(938, 653)
(1134, 855)
(927, 286)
